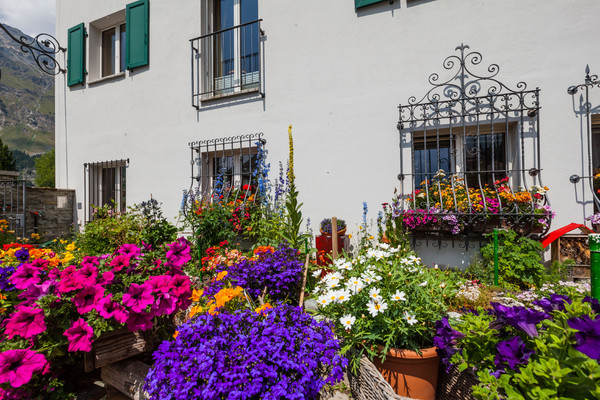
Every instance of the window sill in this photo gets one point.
(207, 98)
(107, 78)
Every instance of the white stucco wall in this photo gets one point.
(338, 76)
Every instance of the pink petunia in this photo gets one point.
(179, 253)
(91, 260)
(36, 292)
(18, 366)
(138, 297)
(130, 250)
(80, 336)
(160, 283)
(120, 313)
(25, 275)
(119, 262)
(106, 306)
(27, 322)
(139, 322)
(40, 263)
(86, 275)
(67, 282)
(165, 304)
(87, 299)
(108, 278)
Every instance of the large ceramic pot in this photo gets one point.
(411, 374)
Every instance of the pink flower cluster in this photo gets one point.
(97, 283)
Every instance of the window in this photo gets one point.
(477, 155)
(113, 50)
(227, 163)
(106, 184)
(227, 58)
(116, 42)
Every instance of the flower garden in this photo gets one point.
(269, 323)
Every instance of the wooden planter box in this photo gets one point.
(117, 345)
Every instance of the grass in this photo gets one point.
(25, 139)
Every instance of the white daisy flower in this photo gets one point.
(443, 285)
(316, 274)
(347, 321)
(399, 296)
(323, 300)
(374, 295)
(376, 307)
(333, 277)
(423, 284)
(410, 318)
(332, 296)
(412, 270)
(332, 284)
(355, 285)
(384, 246)
(342, 296)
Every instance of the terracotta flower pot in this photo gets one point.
(410, 374)
(341, 232)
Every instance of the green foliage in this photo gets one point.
(7, 161)
(555, 370)
(44, 167)
(519, 261)
(266, 226)
(293, 221)
(109, 229)
(156, 229)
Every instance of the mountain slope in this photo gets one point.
(26, 99)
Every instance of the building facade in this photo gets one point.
(162, 96)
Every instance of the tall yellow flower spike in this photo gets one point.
(291, 175)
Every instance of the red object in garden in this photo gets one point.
(552, 236)
(324, 245)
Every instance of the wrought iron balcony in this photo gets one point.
(226, 62)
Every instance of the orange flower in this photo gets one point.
(226, 294)
(175, 334)
(196, 294)
(262, 309)
(195, 310)
(221, 275)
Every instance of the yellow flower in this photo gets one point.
(195, 310)
(221, 275)
(349, 236)
(263, 308)
(70, 246)
(196, 294)
(35, 236)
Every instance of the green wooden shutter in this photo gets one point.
(76, 55)
(137, 43)
(362, 3)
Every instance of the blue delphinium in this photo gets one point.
(282, 353)
(279, 272)
(365, 211)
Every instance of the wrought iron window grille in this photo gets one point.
(13, 202)
(591, 129)
(104, 183)
(474, 154)
(227, 62)
(225, 169)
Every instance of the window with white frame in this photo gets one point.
(229, 51)
(105, 184)
(107, 38)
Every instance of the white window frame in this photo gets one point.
(95, 53)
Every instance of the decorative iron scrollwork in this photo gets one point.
(42, 48)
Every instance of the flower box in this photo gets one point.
(117, 345)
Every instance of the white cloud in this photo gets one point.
(30, 16)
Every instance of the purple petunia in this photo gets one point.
(553, 303)
(445, 340)
(588, 337)
(513, 353)
(80, 336)
(26, 322)
(179, 253)
(524, 319)
(87, 299)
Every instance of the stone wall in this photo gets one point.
(50, 212)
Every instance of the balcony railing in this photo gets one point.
(226, 62)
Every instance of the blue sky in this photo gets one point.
(30, 16)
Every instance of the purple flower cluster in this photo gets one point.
(445, 341)
(5, 273)
(285, 354)
(512, 354)
(279, 272)
(588, 337)
(524, 319)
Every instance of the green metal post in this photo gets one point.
(594, 240)
(496, 256)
